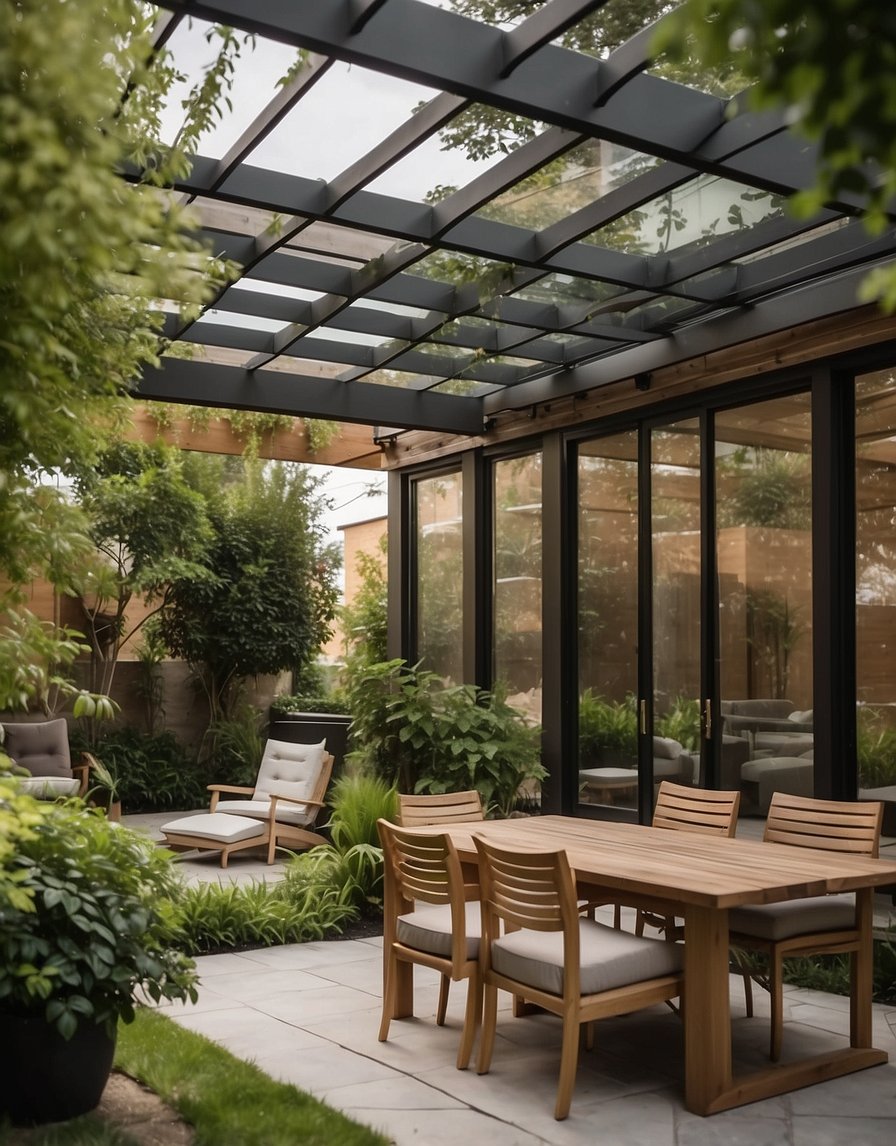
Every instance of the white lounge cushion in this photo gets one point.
(217, 826)
(428, 928)
(289, 770)
(609, 958)
(794, 916)
(287, 813)
(49, 787)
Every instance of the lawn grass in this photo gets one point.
(225, 1099)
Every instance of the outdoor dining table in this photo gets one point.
(700, 877)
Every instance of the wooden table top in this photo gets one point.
(683, 867)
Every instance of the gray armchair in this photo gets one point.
(41, 748)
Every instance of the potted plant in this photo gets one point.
(88, 924)
(103, 791)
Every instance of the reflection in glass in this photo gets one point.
(567, 184)
(763, 477)
(438, 537)
(692, 215)
(876, 578)
(608, 620)
(516, 585)
(675, 536)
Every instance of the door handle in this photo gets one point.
(707, 720)
(643, 717)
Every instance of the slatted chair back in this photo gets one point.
(448, 808)
(831, 825)
(696, 809)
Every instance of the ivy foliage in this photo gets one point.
(84, 255)
(831, 67)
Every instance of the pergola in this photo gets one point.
(628, 221)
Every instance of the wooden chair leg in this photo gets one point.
(639, 923)
(472, 1016)
(617, 917)
(442, 1008)
(748, 994)
(389, 988)
(569, 1059)
(489, 1022)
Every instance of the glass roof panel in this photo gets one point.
(565, 290)
(567, 184)
(194, 47)
(400, 379)
(355, 337)
(339, 119)
(259, 286)
(691, 215)
(247, 321)
(339, 244)
(451, 158)
(466, 388)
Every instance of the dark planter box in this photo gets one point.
(311, 728)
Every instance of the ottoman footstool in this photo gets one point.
(215, 831)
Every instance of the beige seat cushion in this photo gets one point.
(261, 810)
(49, 787)
(428, 928)
(609, 958)
(215, 826)
(794, 916)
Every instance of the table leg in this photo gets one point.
(707, 1014)
(862, 973)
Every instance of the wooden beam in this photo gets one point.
(353, 448)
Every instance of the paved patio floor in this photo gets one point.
(308, 1014)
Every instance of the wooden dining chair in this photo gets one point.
(536, 945)
(686, 809)
(432, 919)
(817, 925)
(447, 808)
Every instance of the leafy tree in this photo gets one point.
(267, 594)
(831, 66)
(83, 257)
(364, 621)
(150, 528)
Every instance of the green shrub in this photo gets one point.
(335, 703)
(414, 732)
(218, 917)
(681, 723)
(876, 749)
(607, 725)
(353, 862)
(153, 773)
(88, 915)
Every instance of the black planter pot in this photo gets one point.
(48, 1078)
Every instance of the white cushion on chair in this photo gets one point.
(428, 928)
(795, 916)
(289, 770)
(609, 958)
(48, 787)
(216, 826)
(261, 810)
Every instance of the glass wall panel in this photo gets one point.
(516, 586)
(608, 620)
(876, 579)
(764, 552)
(675, 550)
(439, 571)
